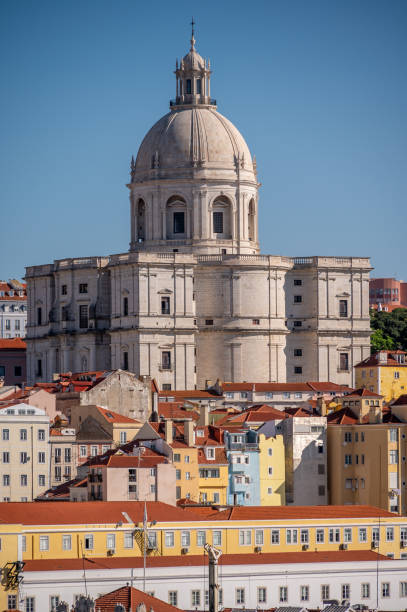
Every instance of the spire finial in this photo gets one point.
(192, 34)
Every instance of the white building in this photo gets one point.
(193, 300)
(246, 581)
(24, 453)
(13, 309)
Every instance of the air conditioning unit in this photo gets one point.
(343, 547)
(258, 549)
(375, 544)
(184, 551)
(305, 547)
(110, 552)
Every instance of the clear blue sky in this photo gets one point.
(317, 88)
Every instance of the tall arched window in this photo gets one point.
(222, 218)
(176, 218)
(251, 221)
(141, 220)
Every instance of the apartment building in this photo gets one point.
(367, 453)
(63, 453)
(384, 372)
(146, 475)
(12, 361)
(387, 294)
(122, 429)
(13, 309)
(24, 453)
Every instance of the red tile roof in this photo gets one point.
(147, 460)
(373, 360)
(115, 417)
(189, 393)
(258, 513)
(401, 400)
(363, 393)
(176, 411)
(106, 563)
(130, 598)
(220, 457)
(12, 343)
(73, 513)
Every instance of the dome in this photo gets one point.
(193, 60)
(190, 137)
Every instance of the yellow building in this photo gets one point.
(180, 437)
(366, 453)
(213, 475)
(384, 373)
(31, 531)
(121, 428)
(272, 470)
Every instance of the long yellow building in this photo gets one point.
(68, 530)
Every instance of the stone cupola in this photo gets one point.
(193, 77)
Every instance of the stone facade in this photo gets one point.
(193, 300)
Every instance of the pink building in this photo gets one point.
(388, 292)
(12, 361)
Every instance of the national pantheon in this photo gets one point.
(193, 299)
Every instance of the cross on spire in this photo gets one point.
(192, 34)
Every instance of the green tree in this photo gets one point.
(380, 342)
(389, 329)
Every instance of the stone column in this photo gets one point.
(133, 222)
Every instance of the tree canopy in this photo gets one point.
(389, 330)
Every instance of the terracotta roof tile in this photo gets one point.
(130, 598)
(95, 563)
(12, 343)
(258, 513)
(73, 513)
(220, 457)
(115, 417)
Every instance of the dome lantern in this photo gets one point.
(193, 79)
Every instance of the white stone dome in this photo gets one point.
(192, 137)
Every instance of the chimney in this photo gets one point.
(189, 433)
(168, 431)
(322, 407)
(375, 415)
(204, 416)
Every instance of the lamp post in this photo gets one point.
(213, 554)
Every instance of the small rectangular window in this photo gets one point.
(39, 367)
(173, 595)
(297, 370)
(218, 222)
(165, 305)
(283, 594)
(240, 596)
(83, 288)
(169, 539)
(89, 541)
(298, 352)
(39, 315)
(64, 289)
(297, 323)
(83, 316)
(44, 542)
(198, 86)
(261, 595)
(297, 282)
(297, 299)
(343, 308)
(166, 360)
(125, 306)
(343, 361)
(125, 360)
(66, 542)
(179, 223)
(208, 321)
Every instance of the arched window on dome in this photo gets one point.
(176, 218)
(222, 218)
(251, 221)
(141, 220)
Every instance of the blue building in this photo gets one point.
(242, 451)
